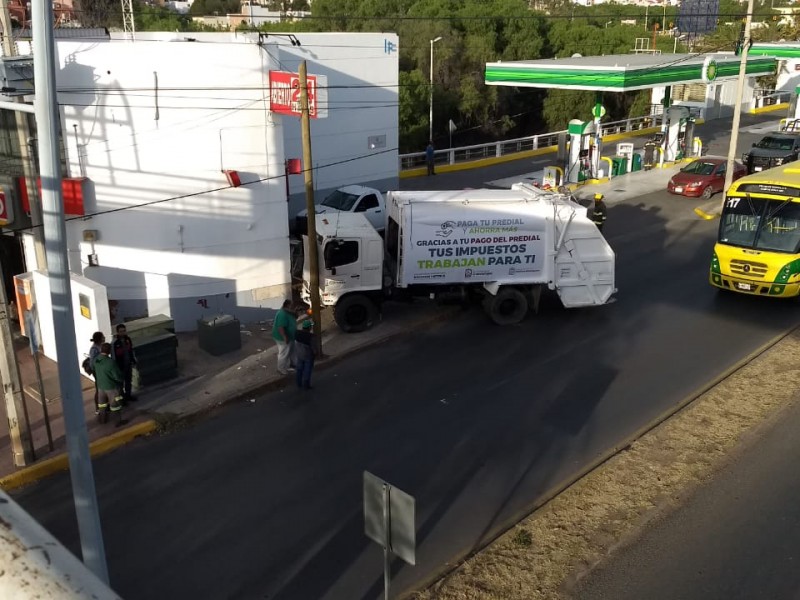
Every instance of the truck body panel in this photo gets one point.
(501, 244)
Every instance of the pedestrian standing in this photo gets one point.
(97, 342)
(284, 328)
(109, 385)
(429, 158)
(600, 211)
(305, 353)
(125, 358)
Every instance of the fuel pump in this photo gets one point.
(676, 141)
(584, 151)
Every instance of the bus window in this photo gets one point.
(740, 220)
(781, 231)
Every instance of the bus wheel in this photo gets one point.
(708, 192)
(508, 307)
(355, 313)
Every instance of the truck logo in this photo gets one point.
(446, 229)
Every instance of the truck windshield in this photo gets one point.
(775, 143)
(340, 200)
(761, 224)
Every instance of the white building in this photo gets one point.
(152, 126)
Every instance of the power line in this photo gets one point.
(212, 191)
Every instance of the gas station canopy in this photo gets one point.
(776, 49)
(623, 72)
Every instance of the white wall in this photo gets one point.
(200, 245)
(725, 92)
(362, 71)
(98, 318)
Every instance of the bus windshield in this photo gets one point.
(770, 225)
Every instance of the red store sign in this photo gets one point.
(284, 94)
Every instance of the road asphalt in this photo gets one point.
(736, 538)
(478, 423)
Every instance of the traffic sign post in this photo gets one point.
(389, 520)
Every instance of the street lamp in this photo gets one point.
(609, 23)
(430, 95)
(675, 45)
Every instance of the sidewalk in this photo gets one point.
(204, 383)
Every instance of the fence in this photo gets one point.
(463, 154)
(765, 97)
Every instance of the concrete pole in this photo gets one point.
(55, 234)
(23, 133)
(18, 426)
(430, 94)
(737, 109)
(308, 175)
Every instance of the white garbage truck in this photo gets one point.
(500, 247)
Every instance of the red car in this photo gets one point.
(703, 177)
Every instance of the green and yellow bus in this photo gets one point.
(758, 246)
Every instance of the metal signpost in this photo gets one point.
(389, 521)
(30, 327)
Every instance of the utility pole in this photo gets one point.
(18, 423)
(308, 176)
(737, 109)
(55, 233)
(23, 133)
(17, 412)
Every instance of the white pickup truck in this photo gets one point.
(352, 199)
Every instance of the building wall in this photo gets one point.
(153, 124)
(362, 71)
(719, 100)
(172, 236)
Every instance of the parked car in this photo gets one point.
(350, 198)
(773, 150)
(703, 177)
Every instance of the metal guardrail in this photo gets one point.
(463, 154)
(764, 97)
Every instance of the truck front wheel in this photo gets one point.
(355, 313)
(508, 307)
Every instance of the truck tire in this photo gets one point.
(355, 313)
(508, 307)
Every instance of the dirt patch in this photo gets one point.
(541, 556)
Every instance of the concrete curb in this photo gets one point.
(60, 462)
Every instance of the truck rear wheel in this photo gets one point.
(355, 313)
(508, 307)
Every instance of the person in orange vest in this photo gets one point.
(599, 214)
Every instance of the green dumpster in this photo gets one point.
(619, 165)
(636, 163)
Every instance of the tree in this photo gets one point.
(99, 13)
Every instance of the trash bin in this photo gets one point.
(618, 166)
(219, 335)
(157, 358)
(636, 162)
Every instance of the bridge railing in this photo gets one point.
(452, 156)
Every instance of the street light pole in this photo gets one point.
(55, 235)
(737, 109)
(430, 94)
(737, 115)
